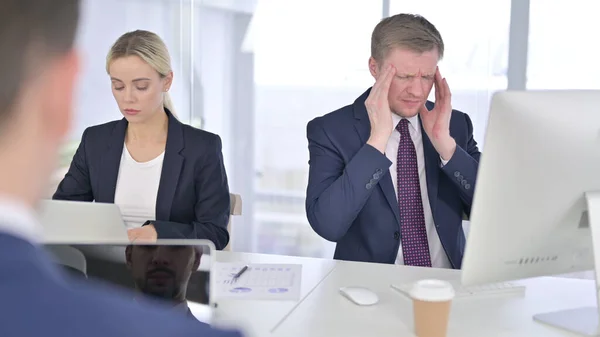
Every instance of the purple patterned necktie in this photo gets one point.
(415, 247)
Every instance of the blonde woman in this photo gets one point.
(168, 178)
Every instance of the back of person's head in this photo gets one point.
(409, 31)
(39, 68)
(151, 49)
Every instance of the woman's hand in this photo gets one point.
(145, 233)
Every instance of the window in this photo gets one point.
(310, 58)
(562, 52)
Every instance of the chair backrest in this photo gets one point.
(236, 209)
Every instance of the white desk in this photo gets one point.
(259, 317)
(323, 312)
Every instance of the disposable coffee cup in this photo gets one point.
(432, 300)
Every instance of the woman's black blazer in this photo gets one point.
(193, 193)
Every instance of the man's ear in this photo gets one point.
(197, 257)
(58, 93)
(373, 67)
(128, 256)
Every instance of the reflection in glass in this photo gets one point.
(162, 271)
(170, 274)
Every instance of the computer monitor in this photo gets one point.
(172, 273)
(77, 221)
(536, 202)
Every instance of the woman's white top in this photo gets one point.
(137, 188)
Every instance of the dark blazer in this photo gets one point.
(350, 196)
(193, 193)
(39, 300)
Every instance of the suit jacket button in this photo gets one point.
(467, 186)
(369, 185)
(457, 174)
(396, 235)
(376, 176)
(378, 171)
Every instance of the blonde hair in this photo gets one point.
(409, 31)
(149, 47)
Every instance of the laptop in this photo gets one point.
(77, 221)
(173, 273)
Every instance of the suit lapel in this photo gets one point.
(111, 160)
(432, 168)
(363, 128)
(172, 164)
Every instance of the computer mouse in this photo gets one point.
(359, 295)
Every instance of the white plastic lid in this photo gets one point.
(432, 291)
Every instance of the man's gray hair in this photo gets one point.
(409, 31)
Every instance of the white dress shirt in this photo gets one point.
(137, 189)
(18, 219)
(439, 259)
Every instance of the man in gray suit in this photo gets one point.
(39, 67)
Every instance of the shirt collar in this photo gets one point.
(412, 121)
(183, 306)
(19, 219)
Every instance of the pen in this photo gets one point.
(240, 272)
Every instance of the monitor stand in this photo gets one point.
(583, 321)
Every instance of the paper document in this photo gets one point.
(258, 281)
